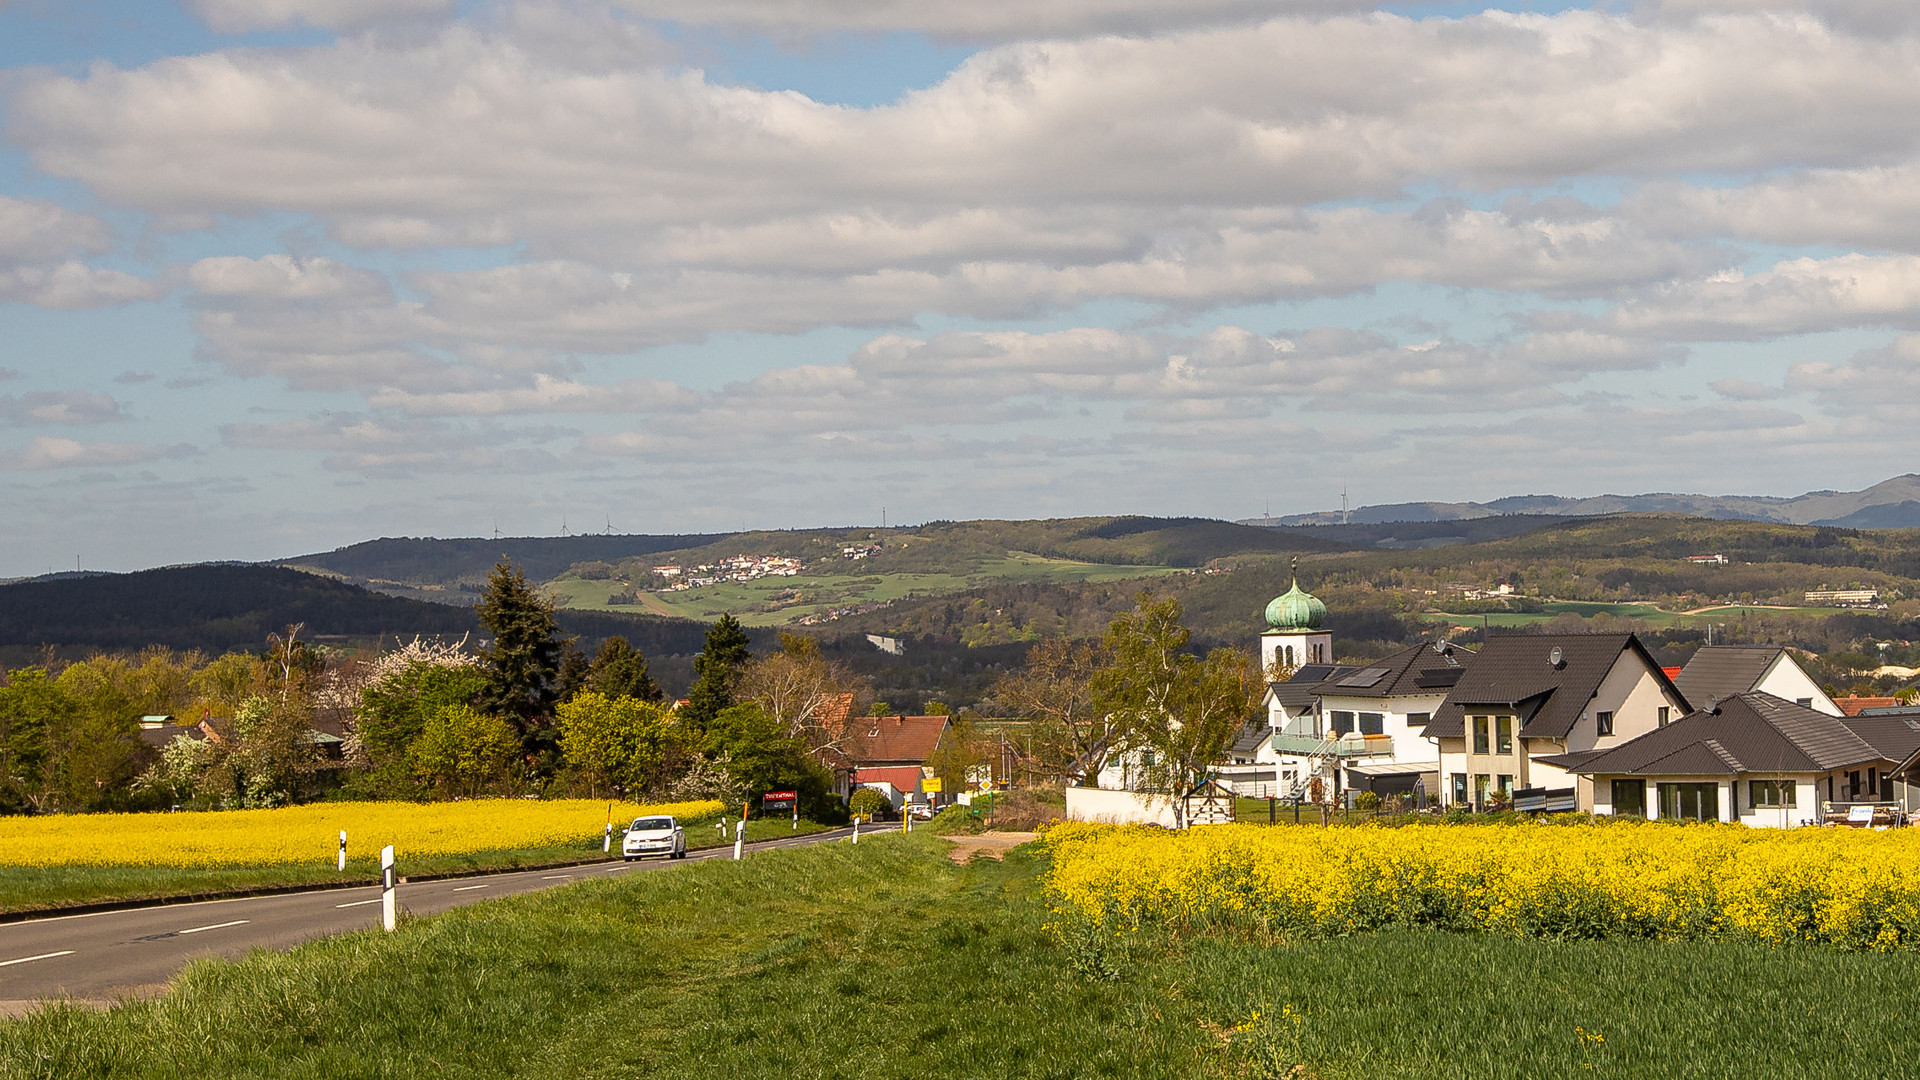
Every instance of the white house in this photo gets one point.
(1532, 707)
(1754, 758)
(1721, 671)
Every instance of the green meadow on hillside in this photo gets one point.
(777, 601)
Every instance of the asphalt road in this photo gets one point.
(107, 955)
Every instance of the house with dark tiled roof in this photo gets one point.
(1753, 758)
(1531, 707)
(1721, 671)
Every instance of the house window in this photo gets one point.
(1459, 789)
(1690, 802)
(1506, 786)
(1373, 723)
(1804, 702)
(1769, 794)
(1630, 798)
(1419, 719)
(1503, 743)
(1853, 787)
(1342, 722)
(1603, 723)
(1480, 781)
(1289, 656)
(1146, 758)
(1666, 713)
(1480, 735)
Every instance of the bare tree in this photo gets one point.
(810, 696)
(1072, 734)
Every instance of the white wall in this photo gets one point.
(1785, 679)
(1119, 807)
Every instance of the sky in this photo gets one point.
(281, 275)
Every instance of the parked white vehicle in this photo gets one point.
(654, 836)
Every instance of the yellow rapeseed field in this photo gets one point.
(311, 834)
(1853, 889)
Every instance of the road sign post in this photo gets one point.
(343, 851)
(389, 902)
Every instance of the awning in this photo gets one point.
(1394, 768)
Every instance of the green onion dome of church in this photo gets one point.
(1296, 610)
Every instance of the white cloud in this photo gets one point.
(46, 452)
(1794, 297)
(991, 20)
(35, 231)
(1880, 383)
(1874, 207)
(60, 407)
(1868, 16)
(74, 285)
(242, 16)
(476, 137)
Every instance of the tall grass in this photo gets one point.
(883, 960)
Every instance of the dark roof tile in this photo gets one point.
(1752, 733)
(1721, 671)
(1517, 669)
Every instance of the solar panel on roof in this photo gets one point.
(1365, 677)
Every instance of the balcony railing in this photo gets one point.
(1344, 747)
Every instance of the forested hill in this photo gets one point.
(429, 560)
(217, 608)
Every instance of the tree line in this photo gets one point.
(528, 712)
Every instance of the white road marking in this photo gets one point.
(216, 926)
(469, 888)
(31, 959)
(615, 869)
(361, 903)
(555, 877)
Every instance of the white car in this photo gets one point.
(654, 836)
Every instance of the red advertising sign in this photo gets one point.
(779, 800)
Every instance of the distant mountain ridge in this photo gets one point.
(1890, 504)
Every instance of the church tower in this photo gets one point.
(1295, 633)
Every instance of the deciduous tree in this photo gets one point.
(1186, 709)
(1072, 735)
(464, 751)
(619, 743)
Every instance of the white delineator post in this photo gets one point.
(606, 842)
(856, 828)
(389, 903)
(740, 839)
(343, 851)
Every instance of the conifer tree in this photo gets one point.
(718, 668)
(620, 670)
(523, 660)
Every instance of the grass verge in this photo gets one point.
(885, 960)
(35, 889)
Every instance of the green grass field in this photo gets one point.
(45, 888)
(778, 601)
(886, 960)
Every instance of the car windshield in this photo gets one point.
(652, 824)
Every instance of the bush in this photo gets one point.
(869, 805)
(1026, 809)
(957, 820)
